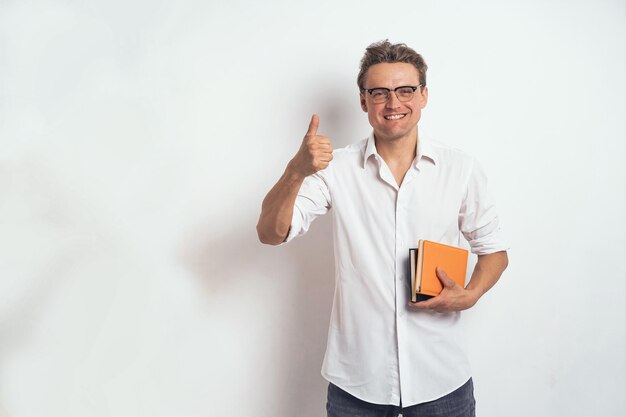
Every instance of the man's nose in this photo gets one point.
(392, 101)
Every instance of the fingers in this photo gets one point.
(315, 153)
(446, 281)
(320, 143)
(319, 147)
(315, 122)
(453, 297)
(438, 304)
(326, 157)
(425, 305)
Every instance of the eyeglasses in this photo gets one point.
(381, 95)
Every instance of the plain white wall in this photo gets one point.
(138, 139)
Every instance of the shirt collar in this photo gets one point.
(370, 149)
(424, 149)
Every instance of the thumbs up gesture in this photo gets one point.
(314, 154)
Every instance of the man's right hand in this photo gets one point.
(315, 153)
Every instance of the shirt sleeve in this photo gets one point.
(313, 201)
(478, 219)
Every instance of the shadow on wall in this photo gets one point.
(218, 260)
(339, 109)
(51, 240)
(21, 317)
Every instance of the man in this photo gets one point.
(386, 355)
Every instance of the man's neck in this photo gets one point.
(398, 151)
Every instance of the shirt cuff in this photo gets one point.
(492, 242)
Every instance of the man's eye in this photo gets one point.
(379, 93)
(405, 91)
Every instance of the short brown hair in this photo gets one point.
(387, 52)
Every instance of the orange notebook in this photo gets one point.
(426, 258)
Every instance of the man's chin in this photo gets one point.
(392, 135)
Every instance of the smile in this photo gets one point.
(395, 116)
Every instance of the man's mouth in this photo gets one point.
(395, 116)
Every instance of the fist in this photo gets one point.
(315, 153)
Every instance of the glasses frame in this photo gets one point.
(389, 90)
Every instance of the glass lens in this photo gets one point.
(404, 93)
(379, 95)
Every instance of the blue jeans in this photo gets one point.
(459, 403)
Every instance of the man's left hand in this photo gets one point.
(453, 297)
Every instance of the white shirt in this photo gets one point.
(379, 349)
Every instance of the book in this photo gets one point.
(426, 258)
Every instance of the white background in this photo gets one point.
(138, 139)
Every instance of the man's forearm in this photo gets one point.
(314, 154)
(486, 273)
(277, 208)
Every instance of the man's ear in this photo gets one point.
(363, 103)
(424, 97)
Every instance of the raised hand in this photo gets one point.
(314, 154)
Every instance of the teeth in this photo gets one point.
(394, 116)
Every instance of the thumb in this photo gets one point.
(315, 122)
(446, 281)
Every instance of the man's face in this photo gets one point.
(393, 119)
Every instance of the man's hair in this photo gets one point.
(387, 52)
